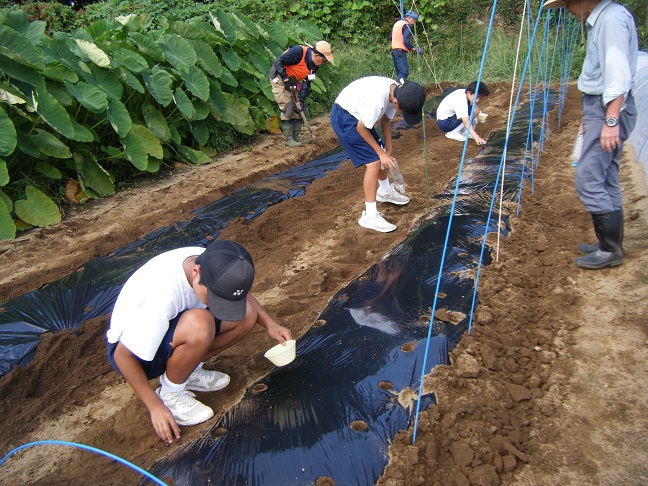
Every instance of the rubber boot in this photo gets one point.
(609, 230)
(297, 126)
(586, 248)
(287, 129)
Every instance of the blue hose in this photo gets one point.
(89, 448)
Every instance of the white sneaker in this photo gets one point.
(393, 196)
(456, 136)
(203, 380)
(185, 408)
(377, 223)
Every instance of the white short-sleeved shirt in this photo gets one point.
(367, 99)
(455, 103)
(155, 294)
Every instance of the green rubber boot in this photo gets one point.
(297, 126)
(287, 129)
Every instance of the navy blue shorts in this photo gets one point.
(157, 366)
(449, 124)
(345, 127)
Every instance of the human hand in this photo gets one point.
(279, 333)
(291, 82)
(164, 423)
(609, 138)
(419, 51)
(479, 140)
(387, 161)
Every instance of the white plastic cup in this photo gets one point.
(482, 116)
(282, 353)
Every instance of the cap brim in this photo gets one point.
(226, 310)
(553, 4)
(413, 118)
(329, 58)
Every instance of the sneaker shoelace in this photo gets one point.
(184, 399)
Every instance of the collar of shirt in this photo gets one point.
(591, 19)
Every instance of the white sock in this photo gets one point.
(459, 129)
(385, 186)
(169, 387)
(370, 209)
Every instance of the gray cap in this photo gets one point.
(227, 270)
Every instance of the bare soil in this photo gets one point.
(548, 388)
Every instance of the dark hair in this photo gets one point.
(481, 91)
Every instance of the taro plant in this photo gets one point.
(119, 98)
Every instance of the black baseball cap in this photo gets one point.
(410, 97)
(227, 270)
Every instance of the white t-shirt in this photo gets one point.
(156, 293)
(367, 99)
(455, 103)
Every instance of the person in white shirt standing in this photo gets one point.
(357, 109)
(609, 116)
(178, 310)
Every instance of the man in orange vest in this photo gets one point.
(401, 39)
(294, 70)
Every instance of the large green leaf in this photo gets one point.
(202, 110)
(7, 226)
(194, 156)
(184, 104)
(158, 83)
(249, 26)
(135, 151)
(156, 122)
(196, 82)
(150, 141)
(48, 144)
(4, 173)
(217, 98)
(100, 29)
(147, 45)
(206, 58)
(26, 146)
(93, 175)
(37, 209)
(60, 73)
(232, 59)
(19, 48)
(228, 78)
(94, 53)
(60, 92)
(126, 77)
(7, 135)
(178, 52)
(19, 21)
(89, 96)
(106, 81)
(223, 23)
(131, 60)
(48, 170)
(238, 114)
(119, 117)
(6, 200)
(278, 34)
(200, 132)
(59, 51)
(81, 133)
(186, 30)
(20, 72)
(53, 113)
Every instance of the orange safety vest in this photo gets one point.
(299, 70)
(397, 35)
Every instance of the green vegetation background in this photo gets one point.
(78, 135)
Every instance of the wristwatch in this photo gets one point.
(611, 121)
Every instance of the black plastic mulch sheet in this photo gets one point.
(91, 291)
(333, 412)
